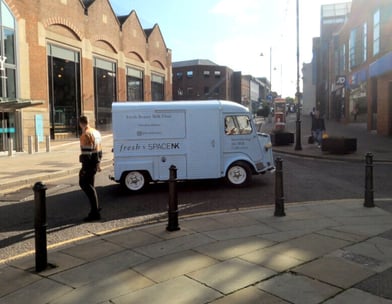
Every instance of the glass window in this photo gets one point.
(7, 53)
(105, 92)
(206, 73)
(376, 32)
(217, 74)
(237, 124)
(179, 75)
(157, 87)
(134, 84)
(189, 74)
(64, 90)
(7, 19)
(364, 42)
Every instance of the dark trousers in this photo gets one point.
(86, 183)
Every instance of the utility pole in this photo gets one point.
(298, 145)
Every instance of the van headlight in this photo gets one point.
(267, 146)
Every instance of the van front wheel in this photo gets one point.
(239, 174)
(134, 181)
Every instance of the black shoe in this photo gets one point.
(92, 217)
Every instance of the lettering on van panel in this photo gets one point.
(151, 125)
(150, 147)
(240, 144)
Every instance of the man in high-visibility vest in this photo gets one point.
(90, 157)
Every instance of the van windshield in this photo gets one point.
(237, 124)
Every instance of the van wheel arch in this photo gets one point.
(239, 174)
(135, 181)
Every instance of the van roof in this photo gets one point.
(225, 105)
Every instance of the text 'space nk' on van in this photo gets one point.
(202, 139)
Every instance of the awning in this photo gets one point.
(12, 104)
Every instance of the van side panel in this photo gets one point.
(204, 150)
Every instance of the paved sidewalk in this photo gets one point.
(320, 252)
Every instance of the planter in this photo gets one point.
(339, 145)
(282, 138)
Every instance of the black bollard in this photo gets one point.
(279, 196)
(40, 225)
(369, 191)
(173, 201)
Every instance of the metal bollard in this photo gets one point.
(47, 143)
(30, 144)
(10, 146)
(36, 144)
(40, 225)
(173, 201)
(279, 196)
(369, 191)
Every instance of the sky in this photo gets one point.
(256, 37)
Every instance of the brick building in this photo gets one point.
(68, 57)
(357, 80)
(203, 79)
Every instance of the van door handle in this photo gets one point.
(213, 143)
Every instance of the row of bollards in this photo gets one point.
(34, 147)
(40, 222)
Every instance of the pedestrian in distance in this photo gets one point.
(318, 128)
(90, 158)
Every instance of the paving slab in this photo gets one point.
(231, 275)
(174, 265)
(18, 277)
(227, 249)
(271, 259)
(379, 284)
(335, 271)
(250, 295)
(108, 266)
(174, 245)
(377, 248)
(57, 262)
(42, 291)
(92, 250)
(181, 290)
(354, 295)
(309, 247)
(239, 232)
(347, 236)
(298, 289)
(105, 289)
(132, 238)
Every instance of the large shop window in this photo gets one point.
(7, 53)
(157, 87)
(64, 90)
(134, 84)
(105, 92)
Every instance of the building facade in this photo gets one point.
(357, 83)
(202, 79)
(68, 57)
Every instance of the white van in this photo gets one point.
(203, 139)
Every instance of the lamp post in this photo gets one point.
(298, 145)
(270, 70)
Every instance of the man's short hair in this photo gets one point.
(83, 119)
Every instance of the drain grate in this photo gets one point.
(361, 259)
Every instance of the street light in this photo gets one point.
(298, 95)
(270, 68)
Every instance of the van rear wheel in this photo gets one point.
(239, 174)
(134, 181)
